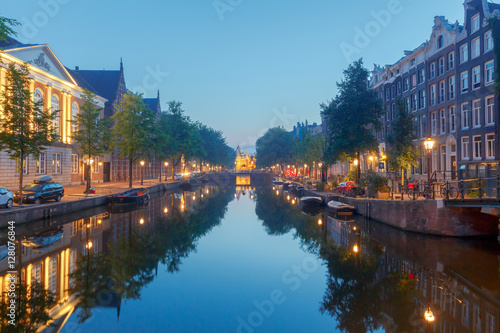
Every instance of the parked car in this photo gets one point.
(41, 190)
(345, 187)
(6, 197)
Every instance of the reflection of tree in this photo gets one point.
(279, 216)
(32, 309)
(356, 296)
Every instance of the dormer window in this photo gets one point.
(474, 23)
(413, 62)
(440, 42)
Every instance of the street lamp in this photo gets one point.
(429, 144)
(371, 162)
(142, 172)
(166, 177)
(428, 315)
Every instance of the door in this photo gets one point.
(106, 173)
(453, 159)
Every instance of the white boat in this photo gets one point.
(340, 207)
(316, 201)
(277, 181)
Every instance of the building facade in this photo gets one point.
(447, 85)
(52, 83)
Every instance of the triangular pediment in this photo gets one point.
(42, 57)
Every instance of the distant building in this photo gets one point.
(301, 128)
(244, 161)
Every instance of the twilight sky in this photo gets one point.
(239, 66)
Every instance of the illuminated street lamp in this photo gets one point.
(429, 144)
(428, 315)
(355, 248)
(166, 165)
(142, 172)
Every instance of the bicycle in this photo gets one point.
(448, 192)
(414, 192)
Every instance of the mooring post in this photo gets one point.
(462, 188)
(479, 194)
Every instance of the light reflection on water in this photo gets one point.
(249, 260)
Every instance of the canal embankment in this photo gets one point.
(422, 216)
(72, 204)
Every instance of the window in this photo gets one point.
(490, 145)
(96, 165)
(451, 60)
(465, 313)
(53, 275)
(474, 26)
(441, 66)
(414, 102)
(56, 163)
(490, 109)
(475, 50)
(465, 148)
(393, 92)
(74, 113)
(41, 163)
(393, 110)
(476, 77)
(465, 115)
(432, 70)
(443, 168)
(74, 163)
(440, 42)
(476, 147)
(387, 94)
(387, 113)
(453, 118)
(421, 96)
(489, 69)
(476, 113)
(451, 87)
(413, 80)
(488, 41)
(25, 165)
(421, 76)
(433, 95)
(55, 108)
(433, 123)
(413, 62)
(422, 126)
(442, 121)
(406, 84)
(38, 97)
(464, 53)
(490, 323)
(399, 87)
(464, 81)
(442, 92)
(407, 103)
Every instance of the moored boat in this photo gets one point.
(277, 181)
(44, 238)
(311, 201)
(340, 207)
(138, 196)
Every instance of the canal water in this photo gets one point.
(247, 260)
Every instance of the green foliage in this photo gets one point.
(6, 26)
(214, 146)
(352, 116)
(24, 128)
(310, 149)
(352, 175)
(133, 129)
(275, 146)
(401, 151)
(371, 179)
(180, 130)
(320, 186)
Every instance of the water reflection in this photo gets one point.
(377, 278)
(102, 260)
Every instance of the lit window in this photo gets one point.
(74, 113)
(41, 164)
(55, 108)
(56, 163)
(74, 163)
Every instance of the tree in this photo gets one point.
(311, 148)
(179, 129)
(6, 26)
(352, 116)
(92, 134)
(24, 128)
(215, 147)
(401, 151)
(275, 146)
(133, 129)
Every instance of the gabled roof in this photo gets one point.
(153, 103)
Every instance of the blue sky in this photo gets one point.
(240, 66)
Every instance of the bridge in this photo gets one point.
(241, 178)
(477, 192)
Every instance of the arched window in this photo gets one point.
(54, 101)
(38, 96)
(440, 42)
(74, 113)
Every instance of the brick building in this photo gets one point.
(447, 84)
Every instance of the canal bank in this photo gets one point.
(422, 216)
(29, 213)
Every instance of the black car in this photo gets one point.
(39, 192)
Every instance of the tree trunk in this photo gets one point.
(358, 176)
(89, 170)
(130, 165)
(402, 176)
(21, 161)
(173, 168)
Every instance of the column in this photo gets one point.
(62, 267)
(69, 135)
(62, 115)
(45, 273)
(48, 96)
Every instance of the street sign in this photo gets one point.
(381, 165)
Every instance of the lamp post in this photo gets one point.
(142, 172)
(166, 171)
(321, 170)
(371, 162)
(356, 163)
(429, 144)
